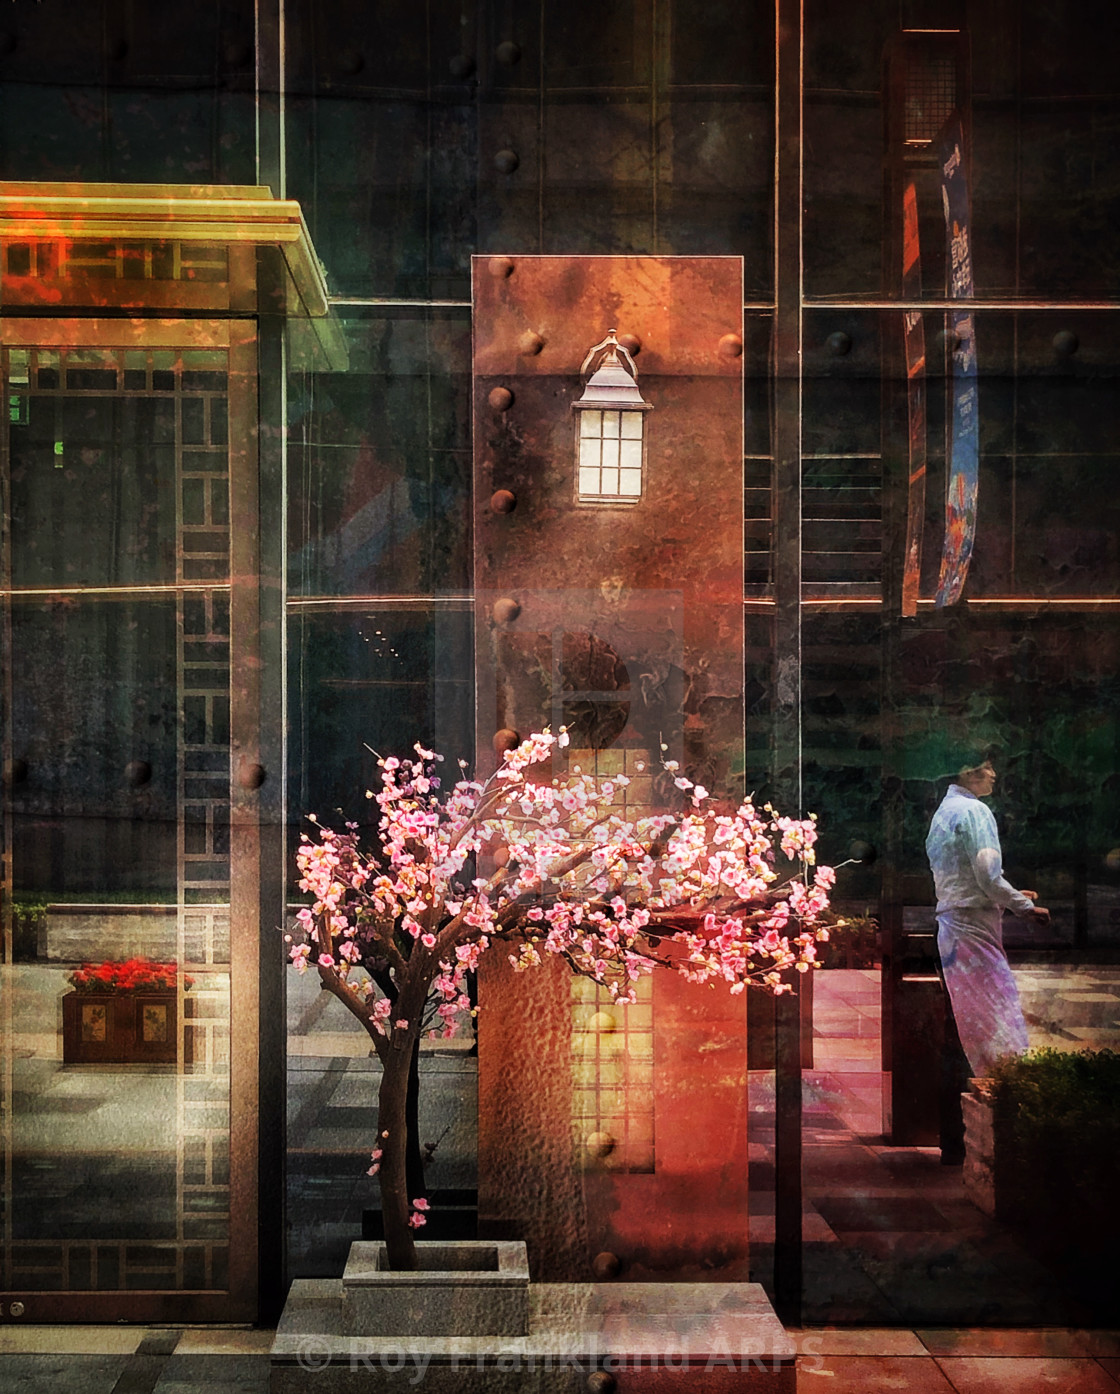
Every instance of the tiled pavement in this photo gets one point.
(966, 1360)
(116, 1360)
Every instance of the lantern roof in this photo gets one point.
(613, 385)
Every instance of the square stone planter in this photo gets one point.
(469, 1288)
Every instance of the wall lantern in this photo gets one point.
(609, 419)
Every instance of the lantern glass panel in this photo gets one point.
(610, 454)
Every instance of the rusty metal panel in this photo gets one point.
(621, 617)
(635, 604)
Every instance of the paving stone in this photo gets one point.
(1026, 1375)
(236, 1374)
(870, 1374)
(986, 1340)
(855, 1340)
(61, 1374)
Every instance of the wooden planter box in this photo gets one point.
(120, 1028)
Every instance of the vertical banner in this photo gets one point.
(915, 343)
(964, 453)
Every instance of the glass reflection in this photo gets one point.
(116, 731)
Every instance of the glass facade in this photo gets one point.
(234, 573)
(117, 739)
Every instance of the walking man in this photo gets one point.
(972, 894)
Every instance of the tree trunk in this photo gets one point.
(392, 1118)
(413, 1158)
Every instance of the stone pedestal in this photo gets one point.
(708, 1338)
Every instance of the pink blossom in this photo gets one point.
(585, 880)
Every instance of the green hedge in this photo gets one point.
(1057, 1136)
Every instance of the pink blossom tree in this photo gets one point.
(394, 931)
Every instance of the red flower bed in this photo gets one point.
(135, 975)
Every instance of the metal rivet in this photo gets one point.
(351, 62)
(860, 851)
(137, 773)
(603, 1022)
(505, 739)
(462, 65)
(251, 776)
(606, 1265)
(601, 1382)
(16, 771)
(500, 267)
(631, 343)
(17, 1309)
(506, 610)
(530, 343)
(731, 346)
(503, 501)
(500, 398)
(506, 161)
(600, 1145)
(507, 52)
(839, 344)
(1112, 859)
(1066, 343)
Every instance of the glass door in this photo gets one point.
(129, 926)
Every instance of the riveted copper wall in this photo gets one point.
(659, 582)
(623, 620)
